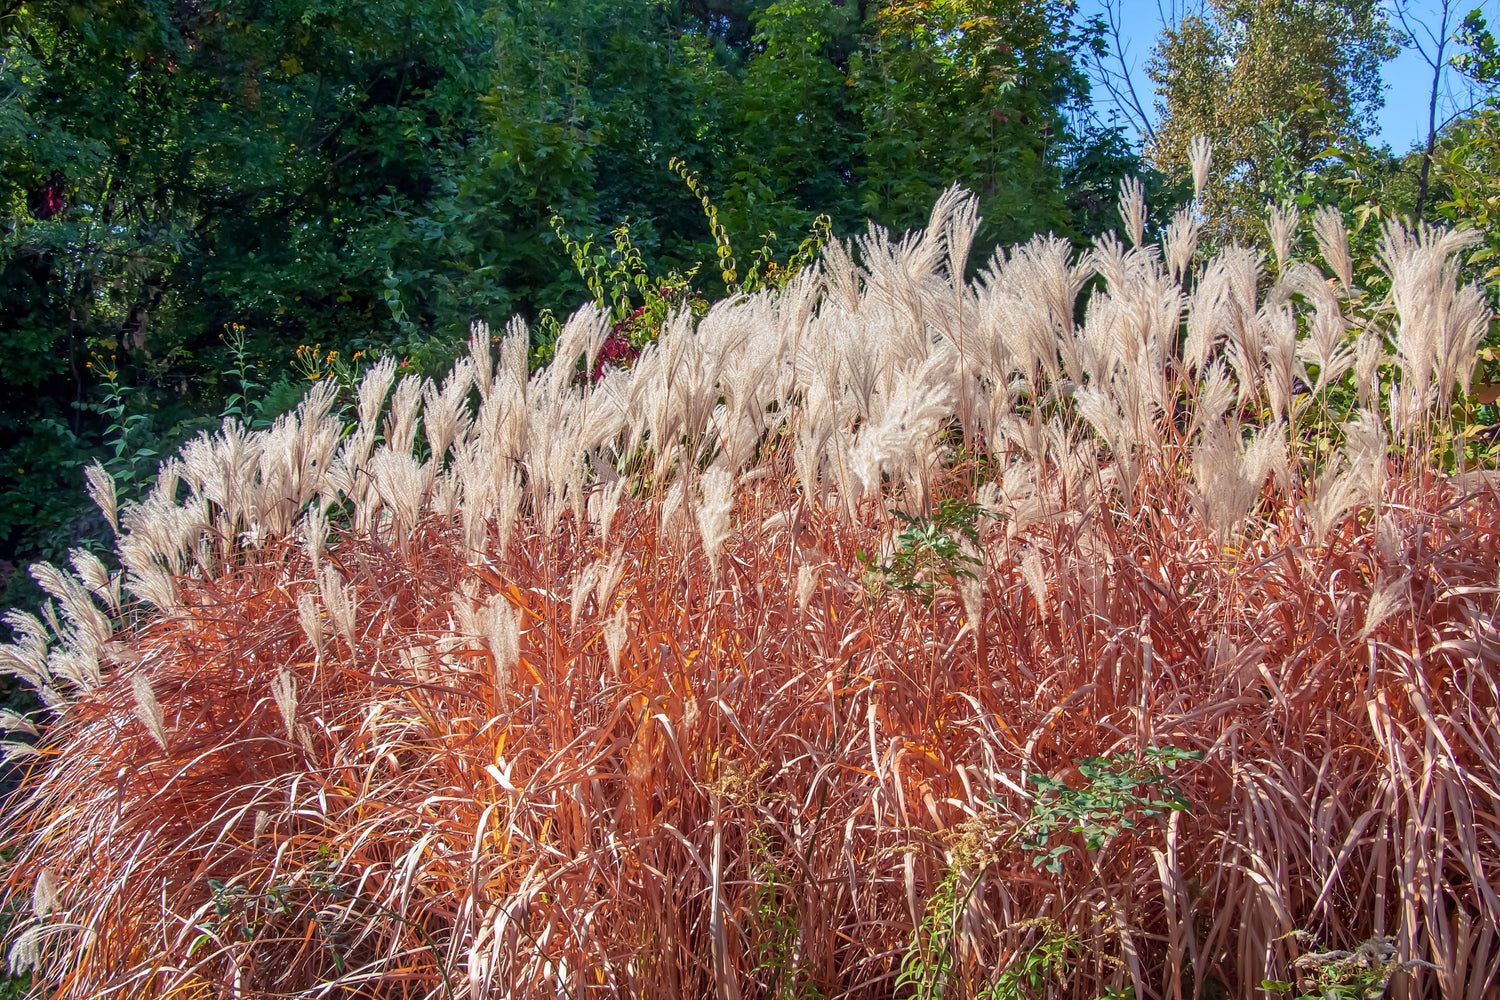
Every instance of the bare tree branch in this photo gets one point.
(1115, 73)
(1434, 54)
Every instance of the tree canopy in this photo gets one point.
(376, 175)
(1273, 84)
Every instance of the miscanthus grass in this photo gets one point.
(1105, 624)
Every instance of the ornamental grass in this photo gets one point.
(1111, 623)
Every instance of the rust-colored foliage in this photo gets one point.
(571, 823)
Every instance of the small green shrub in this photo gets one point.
(1118, 795)
(930, 553)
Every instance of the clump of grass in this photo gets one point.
(586, 691)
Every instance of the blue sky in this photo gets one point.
(1408, 79)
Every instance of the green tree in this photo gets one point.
(973, 91)
(799, 132)
(1274, 84)
(173, 167)
(376, 175)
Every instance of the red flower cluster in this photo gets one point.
(49, 199)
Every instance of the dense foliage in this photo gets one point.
(1273, 84)
(374, 176)
(808, 618)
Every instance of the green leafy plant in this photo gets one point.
(639, 303)
(1119, 794)
(930, 553)
(773, 941)
(1043, 964)
(1360, 974)
(728, 269)
(927, 968)
(130, 456)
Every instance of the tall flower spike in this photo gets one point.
(1281, 224)
(1133, 208)
(1333, 244)
(1201, 158)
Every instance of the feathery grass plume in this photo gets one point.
(603, 504)
(1216, 394)
(490, 789)
(1369, 354)
(1209, 313)
(495, 622)
(1035, 575)
(284, 693)
(402, 483)
(97, 578)
(610, 573)
(1133, 209)
(1200, 159)
(154, 585)
(1284, 370)
(406, 407)
(901, 440)
(1436, 316)
(807, 583)
(148, 710)
(341, 601)
(44, 897)
(1179, 243)
(714, 512)
(1389, 598)
(87, 628)
(1333, 243)
(444, 411)
(1458, 353)
(1230, 471)
(311, 620)
(584, 585)
(1335, 492)
(480, 358)
(315, 535)
(673, 518)
(14, 722)
(616, 633)
(1281, 226)
(508, 492)
(25, 951)
(1368, 451)
(25, 656)
(101, 489)
(1327, 346)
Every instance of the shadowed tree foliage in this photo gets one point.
(376, 175)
